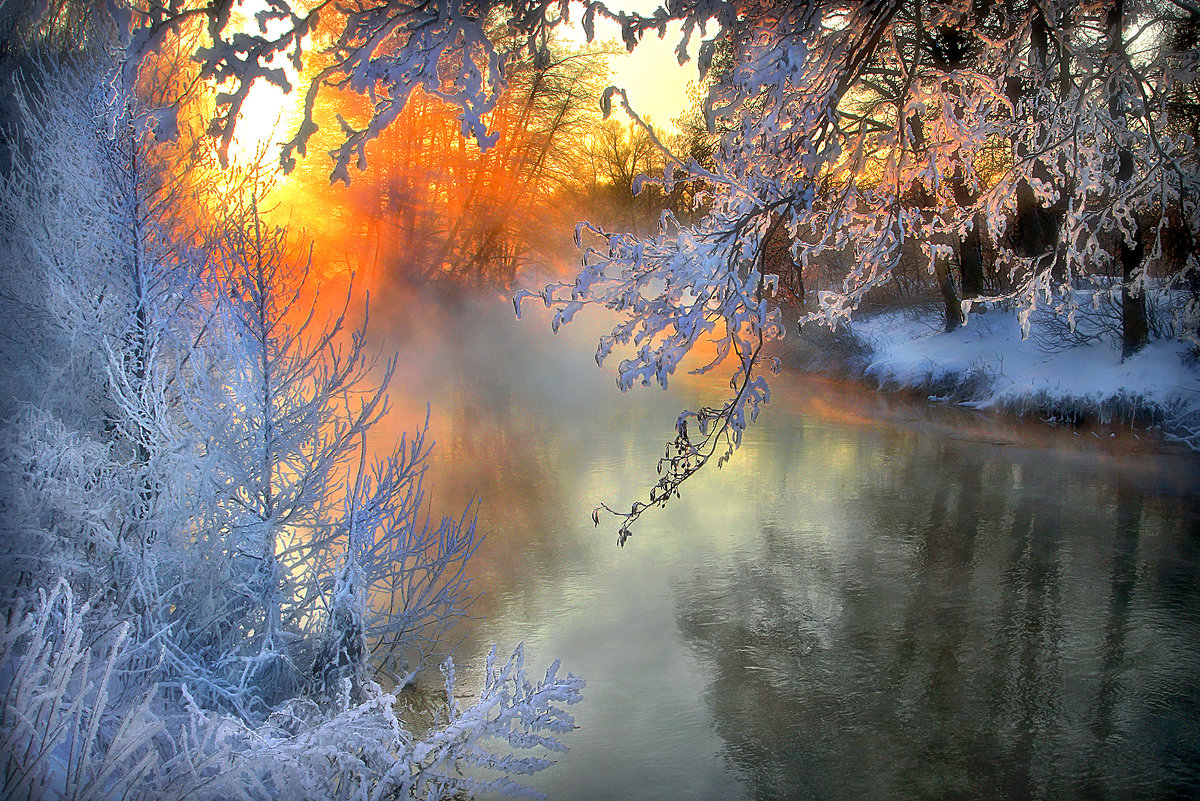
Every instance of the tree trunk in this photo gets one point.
(952, 304)
(970, 259)
(1036, 228)
(1135, 332)
(941, 270)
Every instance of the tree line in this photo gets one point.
(1032, 155)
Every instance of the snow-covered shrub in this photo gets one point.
(61, 486)
(67, 728)
(361, 751)
(72, 727)
(1183, 426)
(194, 462)
(1082, 316)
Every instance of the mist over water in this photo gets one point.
(876, 598)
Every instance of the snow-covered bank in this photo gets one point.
(987, 365)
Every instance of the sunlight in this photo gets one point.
(414, 210)
(667, 94)
(268, 113)
(262, 125)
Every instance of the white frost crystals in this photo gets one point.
(72, 726)
(191, 458)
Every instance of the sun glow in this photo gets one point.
(659, 88)
(263, 125)
(269, 112)
(430, 205)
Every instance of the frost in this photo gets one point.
(189, 454)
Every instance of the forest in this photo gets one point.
(215, 582)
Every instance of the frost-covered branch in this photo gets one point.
(70, 730)
(189, 455)
(405, 577)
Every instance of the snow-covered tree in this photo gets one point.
(95, 338)
(306, 547)
(186, 448)
(872, 127)
(72, 728)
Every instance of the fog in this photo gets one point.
(876, 598)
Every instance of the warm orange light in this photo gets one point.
(263, 125)
(430, 205)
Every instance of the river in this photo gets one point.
(877, 598)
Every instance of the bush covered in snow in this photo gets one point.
(73, 727)
(204, 576)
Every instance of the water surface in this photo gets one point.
(875, 599)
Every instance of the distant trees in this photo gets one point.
(430, 205)
(184, 446)
(616, 158)
(1029, 154)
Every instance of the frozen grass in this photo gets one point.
(987, 365)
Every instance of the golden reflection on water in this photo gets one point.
(876, 598)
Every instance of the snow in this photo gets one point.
(989, 363)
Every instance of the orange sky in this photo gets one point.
(656, 84)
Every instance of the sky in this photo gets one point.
(656, 84)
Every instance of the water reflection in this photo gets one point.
(971, 637)
(875, 599)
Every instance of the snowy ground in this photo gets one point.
(987, 365)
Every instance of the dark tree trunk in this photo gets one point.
(970, 247)
(777, 260)
(1036, 229)
(1135, 332)
(952, 304)
(970, 260)
(941, 269)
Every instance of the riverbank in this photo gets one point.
(986, 365)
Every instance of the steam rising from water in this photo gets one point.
(868, 573)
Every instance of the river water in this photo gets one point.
(875, 599)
